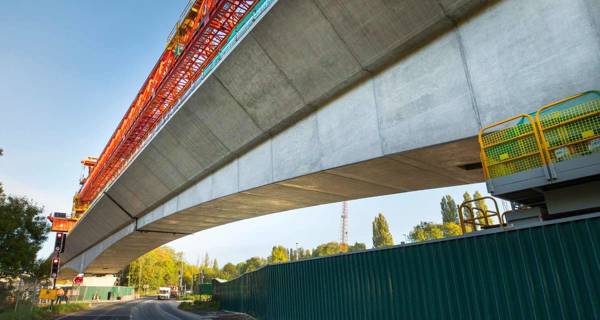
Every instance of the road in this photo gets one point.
(147, 308)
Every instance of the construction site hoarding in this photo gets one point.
(549, 271)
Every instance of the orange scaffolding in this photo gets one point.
(62, 224)
(204, 28)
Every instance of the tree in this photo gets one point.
(302, 254)
(229, 271)
(449, 209)
(253, 264)
(40, 269)
(426, 231)
(328, 249)
(22, 232)
(209, 273)
(431, 231)
(357, 246)
(240, 267)
(451, 229)
(215, 265)
(157, 268)
(483, 209)
(279, 254)
(190, 273)
(381, 232)
(206, 261)
(467, 212)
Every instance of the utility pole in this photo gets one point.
(129, 275)
(181, 274)
(192, 281)
(140, 277)
(344, 226)
(198, 267)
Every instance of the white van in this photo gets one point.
(164, 293)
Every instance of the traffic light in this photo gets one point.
(59, 243)
(54, 268)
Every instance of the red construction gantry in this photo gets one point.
(196, 39)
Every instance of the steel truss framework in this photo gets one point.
(197, 38)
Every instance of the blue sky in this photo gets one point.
(69, 71)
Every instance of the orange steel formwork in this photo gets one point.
(196, 39)
(62, 224)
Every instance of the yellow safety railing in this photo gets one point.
(478, 217)
(572, 131)
(561, 130)
(512, 149)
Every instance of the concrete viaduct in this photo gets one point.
(329, 100)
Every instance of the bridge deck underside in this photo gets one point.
(415, 170)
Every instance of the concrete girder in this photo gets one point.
(417, 113)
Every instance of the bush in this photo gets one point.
(201, 302)
(28, 313)
(197, 297)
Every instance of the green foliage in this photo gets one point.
(279, 254)
(431, 231)
(426, 231)
(483, 208)
(451, 229)
(195, 297)
(206, 261)
(357, 246)
(467, 197)
(449, 209)
(299, 254)
(253, 264)
(466, 212)
(328, 249)
(68, 308)
(22, 232)
(229, 271)
(44, 312)
(215, 265)
(157, 268)
(208, 273)
(40, 270)
(200, 303)
(449, 212)
(241, 268)
(381, 232)
(190, 274)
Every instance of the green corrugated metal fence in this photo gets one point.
(544, 272)
(205, 288)
(87, 293)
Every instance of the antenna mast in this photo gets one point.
(344, 228)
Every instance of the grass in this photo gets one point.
(194, 297)
(43, 312)
(199, 303)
